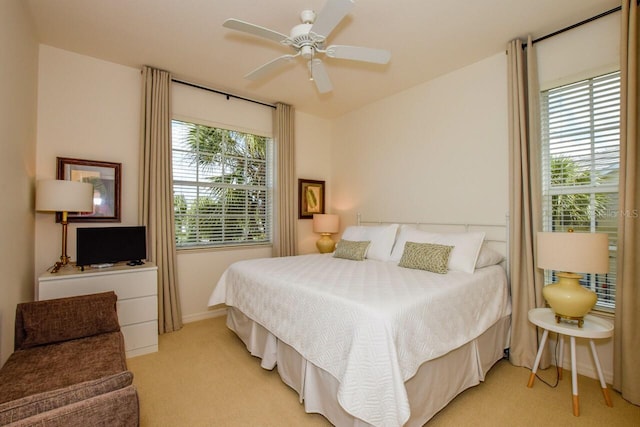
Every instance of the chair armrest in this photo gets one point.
(115, 408)
(34, 404)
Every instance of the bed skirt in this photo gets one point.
(435, 384)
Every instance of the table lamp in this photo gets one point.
(326, 225)
(54, 195)
(570, 254)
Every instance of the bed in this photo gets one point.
(375, 337)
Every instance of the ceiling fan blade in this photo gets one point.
(330, 16)
(320, 76)
(256, 30)
(269, 67)
(356, 53)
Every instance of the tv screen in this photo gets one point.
(100, 245)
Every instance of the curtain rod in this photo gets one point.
(571, 27)
(228, 95)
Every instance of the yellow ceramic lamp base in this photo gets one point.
(568, 298)
(325, 244)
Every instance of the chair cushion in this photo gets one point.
(54, 366)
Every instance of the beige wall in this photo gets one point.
(18, 85)
(87, 109)
(436, 152)
(313, 161)
(583, 52)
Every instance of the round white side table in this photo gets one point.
(593, 328)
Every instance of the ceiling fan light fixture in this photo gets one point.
(306, 51)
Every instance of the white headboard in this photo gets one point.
(496, 235)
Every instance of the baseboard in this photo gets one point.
(588, 369)
(141, 351)
(205, 315)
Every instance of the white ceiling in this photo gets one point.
(427, 38)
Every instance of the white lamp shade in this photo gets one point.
(326, 223)
(573, 252)
(56, 195)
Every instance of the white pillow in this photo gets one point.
(466, 246)
(380, 236)
(488, 256)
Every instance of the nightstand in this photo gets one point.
(593, 328)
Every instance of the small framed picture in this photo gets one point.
(105, 178)
(310, 197)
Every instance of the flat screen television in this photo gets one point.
(101, 245)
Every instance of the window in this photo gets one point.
(580, 165)
(221, 186)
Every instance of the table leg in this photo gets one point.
(574, 378)
(532, 377)
(605, 390)
(561, 358)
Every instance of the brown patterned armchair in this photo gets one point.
(69, 366)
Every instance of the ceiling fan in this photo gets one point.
(308, 39)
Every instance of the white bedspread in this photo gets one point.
(370, 324)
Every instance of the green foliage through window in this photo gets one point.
(221, 186)
(575, 210)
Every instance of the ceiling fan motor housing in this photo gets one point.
(301, 39)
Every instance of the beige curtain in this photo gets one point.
(626, 376)
(524, 200)
(284, 218)
(155, 193)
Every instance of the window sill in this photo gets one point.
(184, 251)
(609, 315)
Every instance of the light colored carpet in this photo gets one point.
(204, 376)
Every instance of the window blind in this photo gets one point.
(222, 186)
(580, 167)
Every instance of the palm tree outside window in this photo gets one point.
(221, 185)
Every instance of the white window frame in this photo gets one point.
(583, 126)
(200, 186)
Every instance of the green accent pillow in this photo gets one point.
(352, 250)
(426, 256)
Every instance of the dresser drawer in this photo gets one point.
(140, 335)
(126, 284)
(137, 310)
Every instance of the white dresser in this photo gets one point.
(137, 291)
